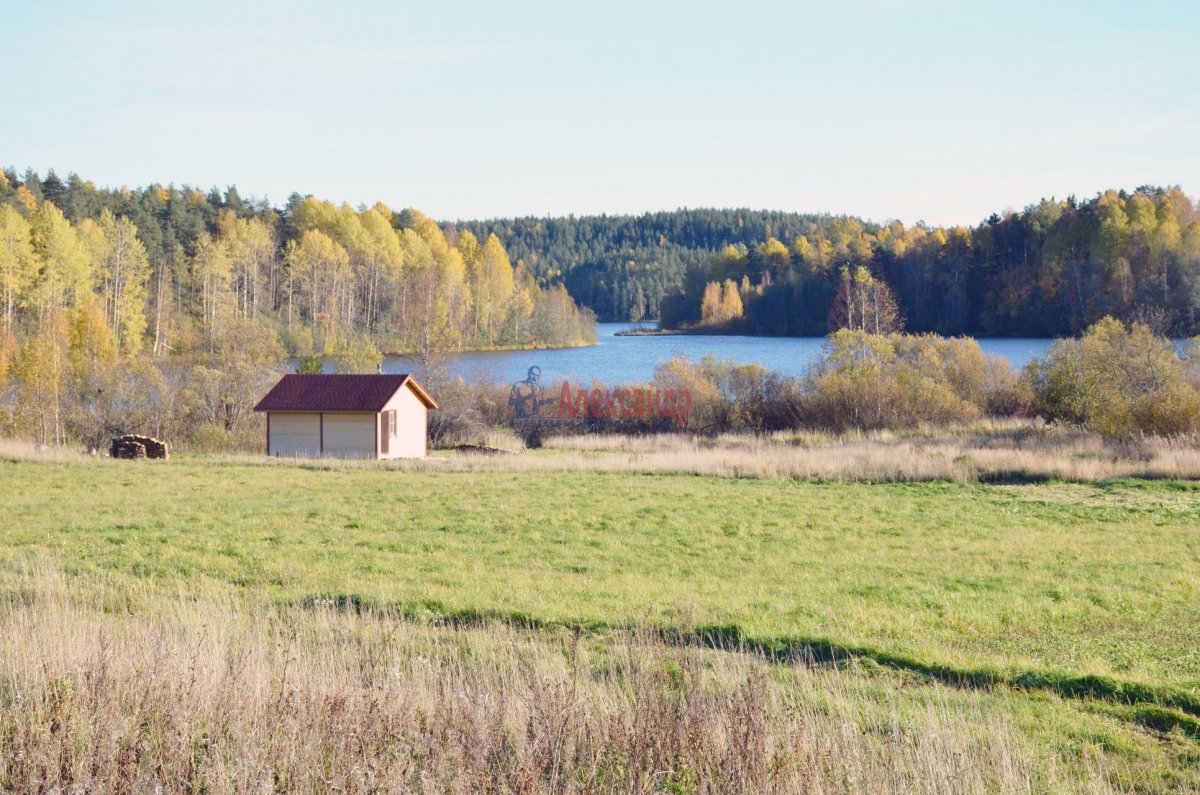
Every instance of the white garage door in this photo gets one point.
(350, 435)
(295, 434)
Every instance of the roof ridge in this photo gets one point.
(354, 392)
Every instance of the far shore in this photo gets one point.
(499, 349)
(670, 332)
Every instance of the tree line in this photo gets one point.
(168, 264)
(1051, 269)
(624, 266)
(150, 281)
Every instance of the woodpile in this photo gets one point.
(132, 446)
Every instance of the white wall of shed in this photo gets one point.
(412, 425)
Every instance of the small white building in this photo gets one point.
(347, 416)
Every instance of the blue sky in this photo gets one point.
(936, 111)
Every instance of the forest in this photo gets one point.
(1051, 269)
(174, 304)
(622, 266)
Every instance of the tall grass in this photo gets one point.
(1014, 450)
(993, 451)
(223, 696)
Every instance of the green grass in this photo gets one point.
(1076, 605)
(1080, 580)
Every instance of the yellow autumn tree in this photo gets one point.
(66, 267)
(425, 312)
(864, 303)
(321, 269)
(471, 252)
(251, 250)
(41, 371)
(731, 301)
(212, 269)
(384, 259)
(721, 303)
(18, 267)
(124, 274)
(493, 288)
(710, 304)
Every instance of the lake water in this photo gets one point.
(633, 359)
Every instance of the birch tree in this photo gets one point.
(125, 273)
(66, 272)
(18, 267)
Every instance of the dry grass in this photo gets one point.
(224, 696)
(1013, 450)
(996, 451)
(17, 450)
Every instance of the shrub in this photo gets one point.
(727, 396)
(1169, 411)
(1117, 382)
(310, 365)
(462, 415)
(1009, 393)
(358, 355)
(216, 438)
(709, 410)
(871, 381)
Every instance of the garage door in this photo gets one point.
(295, 434)
(350, 435)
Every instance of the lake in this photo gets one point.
(632, 359)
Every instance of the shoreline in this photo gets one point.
(498, 349)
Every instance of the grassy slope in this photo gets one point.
(194, 685)
(1060, 578)
(1077, 579)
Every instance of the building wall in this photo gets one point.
(294, 434)
(412, 426)
(350, 435)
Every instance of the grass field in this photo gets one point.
(1072, 609)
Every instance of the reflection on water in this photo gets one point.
(633, 359)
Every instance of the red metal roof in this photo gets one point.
(338, 393)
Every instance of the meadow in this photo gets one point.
(1061, 616)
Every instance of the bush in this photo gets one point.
(709, 410)
(310, 365)
(1117, 382)
(1009, 393)
(358, 355)
(1169, 411)
(462, 414)
(727, 396)
(215, 438)
(870, 381)
(297, 340)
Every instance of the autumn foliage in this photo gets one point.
(1120, 381)
(167, 311)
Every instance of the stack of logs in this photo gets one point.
(132, 446)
